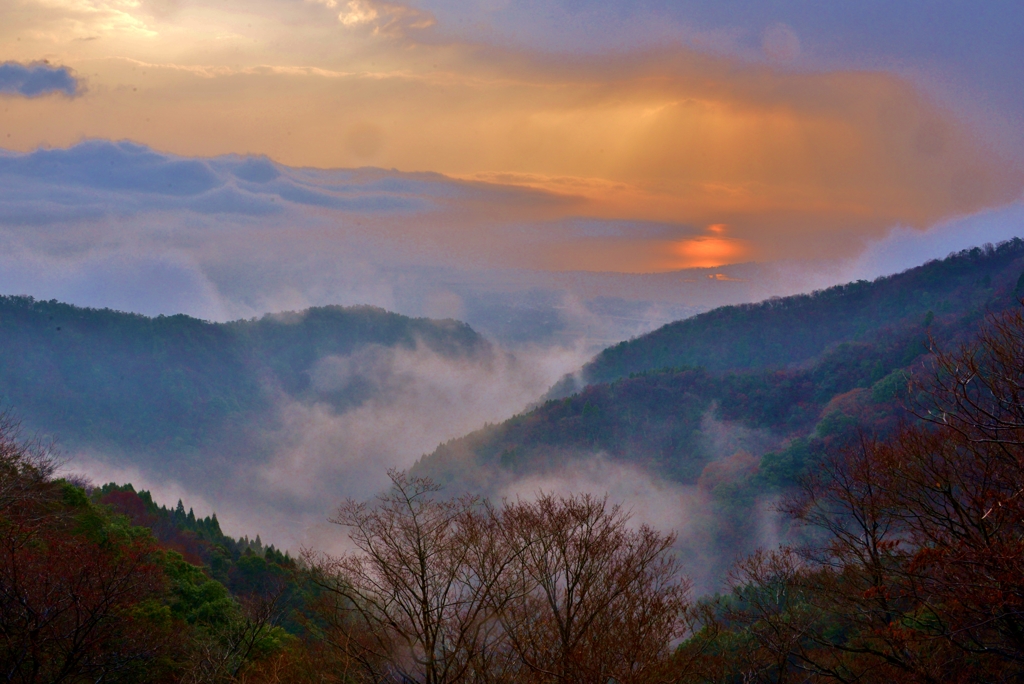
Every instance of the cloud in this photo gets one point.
(100, 178)
(690, 512)
(664, 505)
(420, 399)
(118, 224)
(251, 235)
(796, 164)
(281, 476)
(37, 79)
(905, 247)
(386, 18)
(781, 43)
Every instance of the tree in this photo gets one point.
(417, 601)
(599, 601)
(451, 590)
(78, 597)
(915, 570)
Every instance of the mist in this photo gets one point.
(283, 475)
(713, 529)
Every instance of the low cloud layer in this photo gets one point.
(711, 534)
(283, 476)
(36, 79)
(904, 247)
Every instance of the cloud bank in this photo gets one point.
(905, 246)
(118, 224)
(37, 79)
(282, 477)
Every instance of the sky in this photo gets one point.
(692, 134)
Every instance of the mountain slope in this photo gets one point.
(784, 332)
(676, 421)
(750, 398)
(104, 376)
(773, 367)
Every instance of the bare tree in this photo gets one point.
(25, 466)
(420, 594)
(602, 601)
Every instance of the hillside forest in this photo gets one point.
(886, 434)
(731, 408)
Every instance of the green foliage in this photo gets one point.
(201, 541)
(784, 468)
(892, 387)
(196, 598)
(835, 423)
(98, 599)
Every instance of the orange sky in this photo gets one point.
(786, 165)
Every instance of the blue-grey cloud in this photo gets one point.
(100, 178)
(36, 79)
(120, 225)
(905, 248)
(251, 235)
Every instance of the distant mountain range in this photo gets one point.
(173, 383)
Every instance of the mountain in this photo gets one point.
(242, 565)
(103, 377)
(783, 332)
(773, 366)
(735, 404)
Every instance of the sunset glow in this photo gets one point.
(798, 164)
(704, 252)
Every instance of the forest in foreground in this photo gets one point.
(909, 568)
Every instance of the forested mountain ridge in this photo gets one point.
(242, 565)
(746, 431)
(788, 331)
(88, 374)
(653, 414)
(664, 420)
